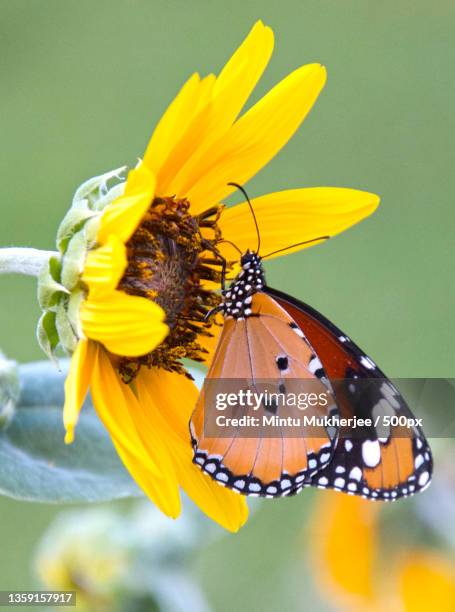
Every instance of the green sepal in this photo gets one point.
(47, 335)
(73, 260)
(73, 309)
(114, 192)
(91, 229)
(94, 189)
(92, 225)
(73, 221)
(50, 289)
(66, 334)
(90, 198)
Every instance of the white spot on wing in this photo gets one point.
(297, 330)
(390, 394)
(371, 453)
(355, 473)
(418, 461)
(325, 457)
(367, 362)
(315, 364)
(254, 486)
(423, 479)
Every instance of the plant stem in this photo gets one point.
(23, 261)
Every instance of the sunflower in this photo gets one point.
(153, 265)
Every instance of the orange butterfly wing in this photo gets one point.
(269, 348)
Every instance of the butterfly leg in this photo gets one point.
(219, 260)
(212, 312)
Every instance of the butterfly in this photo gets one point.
(269, 335)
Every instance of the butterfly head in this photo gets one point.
(250, 260)
(251, 276)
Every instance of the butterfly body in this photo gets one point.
(237, 300)
(270, 336)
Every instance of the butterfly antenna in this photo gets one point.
(240, 188)
(232, 244)
(291, 246)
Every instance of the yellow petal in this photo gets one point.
(427, 582)
(250, 60)
(172, 125)
(288, 217)
(173, 397)
(76, 385)
(126, 325)
(122, 217)
(214, 110)
(345, 543)
(115, 404)
(158, 490)
(194, 126)
(104, 266)
(231, 90)
(257, 136)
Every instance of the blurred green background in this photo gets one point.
(84, 82)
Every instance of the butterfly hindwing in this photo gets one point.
(385, 463)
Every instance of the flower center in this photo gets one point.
(170, 255)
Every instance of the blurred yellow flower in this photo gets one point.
(131, 558)
(148, 279)
(86, 556)
(355, 575)
(426, 582)
(345, 541)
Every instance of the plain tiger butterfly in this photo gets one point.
(268, 335)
